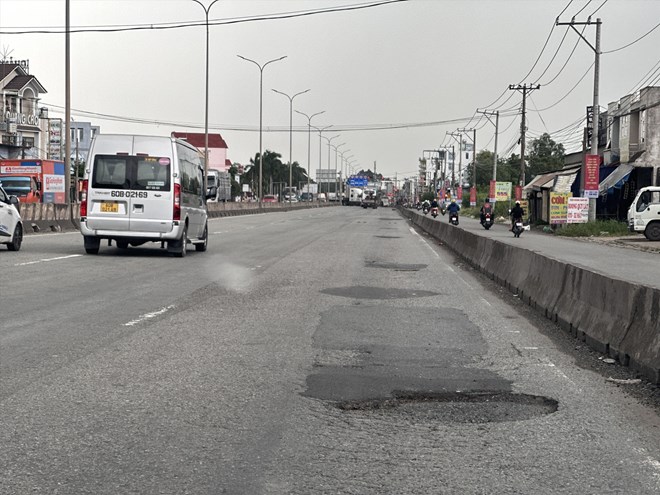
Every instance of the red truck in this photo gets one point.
(34, 181)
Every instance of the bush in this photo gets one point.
(599, 228)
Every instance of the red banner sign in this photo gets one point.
(591, 179)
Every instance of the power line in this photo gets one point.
(221, 22)
(633, 42)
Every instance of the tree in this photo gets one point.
(273, 171)
(545, 155)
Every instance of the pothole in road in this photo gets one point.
(363, 292)
(457, 407)
(402, 267)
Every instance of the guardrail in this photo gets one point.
(617, 318)
(38, 217)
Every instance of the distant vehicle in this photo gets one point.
(370, 199)
(269, 198)
(644, 213)
(218, 186)
(354, 196)
(11, 226)
(332, 196)
(306, 196)
(321, 197)
(289, 193)
(139, 189)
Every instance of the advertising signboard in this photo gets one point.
(559, 207)
(502, 191)
(578, 210)
(591, 181)
(473, 196)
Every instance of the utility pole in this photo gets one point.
(458, 136)
(594, 136)
(523, 126)
(497, 123)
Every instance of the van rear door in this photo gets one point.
(130, 193)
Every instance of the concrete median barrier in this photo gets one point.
(615, 317)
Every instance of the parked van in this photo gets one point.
(138, 189)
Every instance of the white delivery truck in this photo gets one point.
(139, 189)
(218, 186)
(644, 213)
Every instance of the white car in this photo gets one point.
(11, 226)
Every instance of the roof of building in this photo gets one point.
(19, 82)
(197, 139)
(6, 69)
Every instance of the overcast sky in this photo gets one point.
(393, 79)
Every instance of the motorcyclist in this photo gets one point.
(434, 203)
(486, 208)
(426, 204)
(517, 213)
(453, 208)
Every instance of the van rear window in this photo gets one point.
(143, 173)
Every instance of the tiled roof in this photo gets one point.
(197, 139)
(6, 69)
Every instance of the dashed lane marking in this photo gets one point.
(45, 260)
(148, 316)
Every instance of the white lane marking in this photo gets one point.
(147, 316)
(45, 260)
(220, 232)
(532, 349)
(424, 242)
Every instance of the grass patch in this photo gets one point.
(599, 228)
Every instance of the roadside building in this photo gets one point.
(81, 139)
(21, 120)
(217, 148)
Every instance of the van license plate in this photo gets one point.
(110, 207)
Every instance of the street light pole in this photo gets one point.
(329, 140)
(261, 106)
(320, 130)
(206, 101)
(309, 141)
(290, 134)
(336, 148)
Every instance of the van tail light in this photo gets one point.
(176, 211)
(83, 199)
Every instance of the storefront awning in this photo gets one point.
(616, 179)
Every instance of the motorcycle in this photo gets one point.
(518, 227)
(443, 209)
(425, 209)
(434, 211)
(453, 218)
(487, 221)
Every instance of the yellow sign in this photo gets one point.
(502, 191)
(559, 207)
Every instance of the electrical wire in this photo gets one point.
(632, 42)
(221, 22)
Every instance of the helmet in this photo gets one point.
(517, 202)
(453, 200)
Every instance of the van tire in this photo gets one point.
(179, 248)
(17, 238)
(92, 244)
(122, 244)
(652, 231)
(201, 247)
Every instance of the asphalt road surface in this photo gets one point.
(329, 351)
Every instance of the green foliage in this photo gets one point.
(545, 155)
(599, 228)
(273, 171)
(428, 196)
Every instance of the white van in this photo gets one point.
(143, 188)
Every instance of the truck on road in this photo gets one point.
(644, 213)
(218, 186)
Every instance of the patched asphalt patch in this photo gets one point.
(393, 219)
(380, 293)
(401, 267)
(388, 236)
(457, 407)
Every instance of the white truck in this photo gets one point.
(644, 213)
(354, 197)
(218, 186)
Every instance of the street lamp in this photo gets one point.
(336, 148)
(320, 130)
(329, 140)
(206, 101)
(291, 134)
(309, 138)
(261, 105)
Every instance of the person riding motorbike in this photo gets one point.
(453, 208)
(434, 203)
(486, 208)
(517, 213)
(426, 205)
